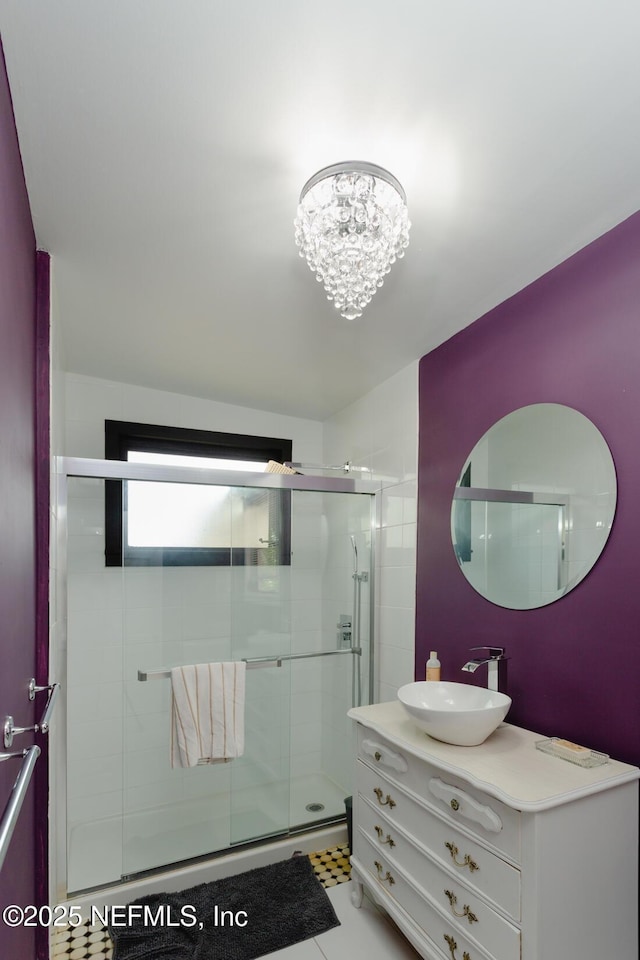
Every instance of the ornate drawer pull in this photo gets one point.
(389, 838)
(387, 802)
(467, 862)
(453, 946)
(468, 806)
(466, 910)
(387, 878)
(382, 754)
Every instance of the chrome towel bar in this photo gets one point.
(16, 799)
(253, 663)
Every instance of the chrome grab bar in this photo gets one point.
(253, 663)
(14, 804)
(11, 756)
(10, 730)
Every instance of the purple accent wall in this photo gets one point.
(42, 520)
(17, 504)
(571, 337)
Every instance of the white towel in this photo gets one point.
(207, 724)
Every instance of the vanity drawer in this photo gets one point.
(489, 819)
(376, 751)
(455, 856)
(449, 935)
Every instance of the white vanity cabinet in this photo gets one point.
(494, 852)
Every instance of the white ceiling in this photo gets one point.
(165, 143)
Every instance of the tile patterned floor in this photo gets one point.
(332, 866)
(79, 943)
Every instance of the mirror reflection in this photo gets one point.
(533, 506)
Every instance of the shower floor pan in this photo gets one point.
(104, 851)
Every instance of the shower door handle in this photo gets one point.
(254, 663)
(278, 660)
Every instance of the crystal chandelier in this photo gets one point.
(352, 225)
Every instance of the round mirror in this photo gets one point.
(533, 506)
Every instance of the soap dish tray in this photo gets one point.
(591, 758)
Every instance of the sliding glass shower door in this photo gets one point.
(294, 624)
(289, 595)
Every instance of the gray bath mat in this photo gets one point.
(237, 918)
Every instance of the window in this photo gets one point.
(150, 523)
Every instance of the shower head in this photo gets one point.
(355, 554)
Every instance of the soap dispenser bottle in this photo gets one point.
(433, 666)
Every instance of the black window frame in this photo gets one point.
(123, 436)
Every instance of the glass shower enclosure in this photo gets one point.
(275, 571)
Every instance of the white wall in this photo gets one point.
(90, 401)
(57, 615)
(380, 431)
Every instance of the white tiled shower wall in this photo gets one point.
(379, 431)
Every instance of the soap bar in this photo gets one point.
(572, 751)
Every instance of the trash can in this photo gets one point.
(348, 804)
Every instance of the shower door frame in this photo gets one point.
(82, 467)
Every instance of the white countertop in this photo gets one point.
(507, 765)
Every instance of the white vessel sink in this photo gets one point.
(454, 712)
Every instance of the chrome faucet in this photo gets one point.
(496, 667)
